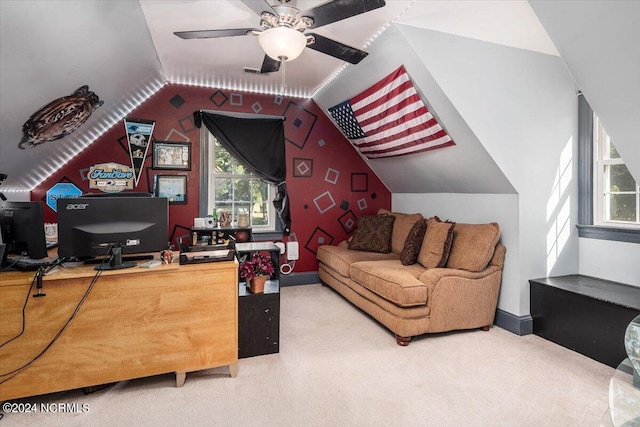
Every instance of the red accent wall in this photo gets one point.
(329, 184)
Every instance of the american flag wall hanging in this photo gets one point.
(389, 119)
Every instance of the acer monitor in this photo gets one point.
(111, 227)
(22, 229)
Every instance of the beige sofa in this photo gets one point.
(447, 288)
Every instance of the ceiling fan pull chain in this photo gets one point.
(284, 84)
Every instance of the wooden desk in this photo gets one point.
(134, 323)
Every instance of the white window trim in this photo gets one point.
(600, 180)
(210, 141)
(586, 228)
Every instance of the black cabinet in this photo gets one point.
(259, 321)
(259, 314)
(585, 314)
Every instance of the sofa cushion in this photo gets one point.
(392, 281)
(412, 245)
(436, 244)
(473, 246)
(340, 258)
(401, 228)
(373, 234)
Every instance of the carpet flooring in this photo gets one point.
(339, 367)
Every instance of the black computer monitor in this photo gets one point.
(112, 226)
(22, 229)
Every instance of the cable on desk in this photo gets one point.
(24, 308)
(10, 265)
(16, 371)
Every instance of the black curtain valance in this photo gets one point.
(258, 143)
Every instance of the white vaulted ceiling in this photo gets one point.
(219, 62)
(125, 50)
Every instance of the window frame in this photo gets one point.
(207, 186)
(587, 228)
(601, 146)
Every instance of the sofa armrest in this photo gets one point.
(433, 276)
(461, 299)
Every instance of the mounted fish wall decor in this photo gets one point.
(59, 118)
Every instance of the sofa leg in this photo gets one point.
(403, 341)
(486, 328)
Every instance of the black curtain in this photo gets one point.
(258, 143)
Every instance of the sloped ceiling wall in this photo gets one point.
(463, 168)
(521, 105)
(50, 48)
(599, 42)
(505, 96)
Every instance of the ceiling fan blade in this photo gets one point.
(211, 34)
(259, 6)
(336, 49)
(338, 10)
(269, 65)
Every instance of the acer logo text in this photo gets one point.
(77, 206)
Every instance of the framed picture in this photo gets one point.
(173, 187)
(172, 155)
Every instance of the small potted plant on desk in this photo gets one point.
(256, 270)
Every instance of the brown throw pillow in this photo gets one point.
(401, 228)
(473, 246)
(409, 254)
(436, 244)
(373, 234)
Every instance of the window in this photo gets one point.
(605, 194)
(616, 193)
(233, 188)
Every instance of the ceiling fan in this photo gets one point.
(282, 30)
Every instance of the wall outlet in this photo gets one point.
(281, 246)
(292, 251)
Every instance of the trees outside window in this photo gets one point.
(616, 193)
(234, 188)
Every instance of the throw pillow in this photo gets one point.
(473, 246)
(436, 244)
(401, 228)
(412, 245)
(373, 234)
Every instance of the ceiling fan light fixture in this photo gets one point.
(282, 43)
